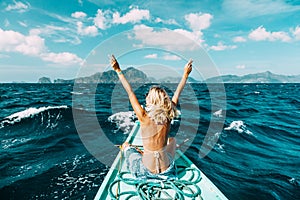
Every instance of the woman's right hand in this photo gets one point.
(124, 146)
(188, 68)
(114, 64)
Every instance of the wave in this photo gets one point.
(76, 93)
(240, 112)
(40, 143)
(70, 176)
(295, 102)
(238, 126)
(7, 143)
(124, 121)
(218, 113)
(28, 113)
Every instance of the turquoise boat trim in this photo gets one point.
(113, 172)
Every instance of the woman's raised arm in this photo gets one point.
(187, 71)
(139, 111)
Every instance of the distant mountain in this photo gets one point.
(264, 77)
(133, 75)
(136, 76)
(44, 80)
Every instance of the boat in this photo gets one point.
(191, 184)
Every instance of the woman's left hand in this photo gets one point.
(114, 64)
(188, 68)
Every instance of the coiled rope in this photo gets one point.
(152, 189)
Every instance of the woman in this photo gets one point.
(157, 161)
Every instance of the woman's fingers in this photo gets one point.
(188, 67)
(112, 59)
(189, 63)
(114, 63)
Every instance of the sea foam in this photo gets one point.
(238, 126)
(124, 120)
(30, 112)
(218, 113)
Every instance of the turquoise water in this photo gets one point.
(43, 155)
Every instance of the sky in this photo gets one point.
(72, 38)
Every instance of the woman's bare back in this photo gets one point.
(157, 151)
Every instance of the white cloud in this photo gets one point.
(63, 18)
(89, 30)
(33, 45)
(240, 67)
(222, 47)
(58, 34)
(296, 33)
(18, 6)
(151, 56)
(74, 40)
(254, 8)
(196, 36)
(177, 39)
(78, 15)
(101, 19)
(64, 58)
(261, 34)
(239, 39)
(171, 57)
(166, 56)
(198, 21)
(11, 41)
(169, 21)
(48, 30)
(104, 19)
(22, 24)
(133, 16)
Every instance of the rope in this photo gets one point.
(152, 189)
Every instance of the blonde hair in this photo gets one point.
(159, 106)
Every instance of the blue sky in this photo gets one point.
(69, 38)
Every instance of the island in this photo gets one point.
(136, 76)
(264, 77)
(44, 80)
(132, 74)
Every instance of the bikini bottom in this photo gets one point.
(139, 171)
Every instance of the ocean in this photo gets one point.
(55, 140)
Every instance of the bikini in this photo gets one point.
(156, 155)
(139, 171)
(137, 168)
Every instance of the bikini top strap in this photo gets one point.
(156, 155)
